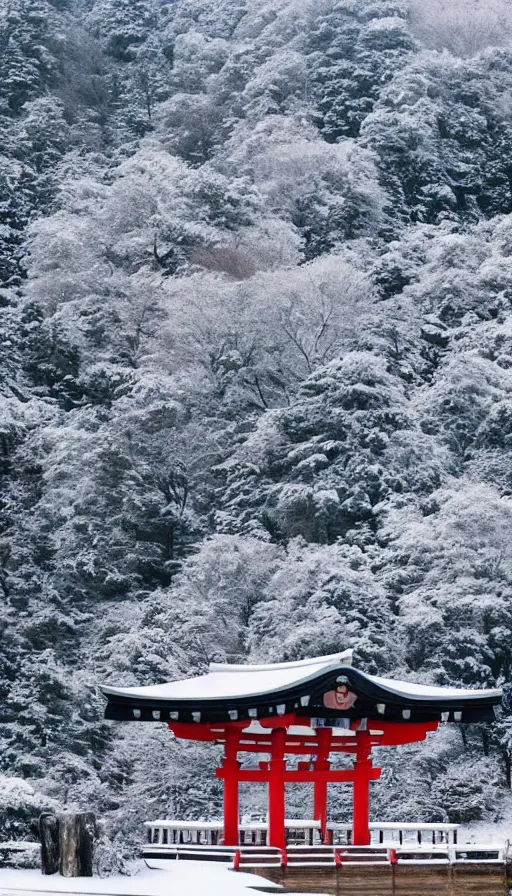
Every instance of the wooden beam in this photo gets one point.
(299, 776)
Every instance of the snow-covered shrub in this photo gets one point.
(466, 792)
(108, 856)
(20, 808)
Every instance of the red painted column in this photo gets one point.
(362, 777)
(276, 791)
(320, 787)
(231, 767)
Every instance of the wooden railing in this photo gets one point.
(300, 832)
(169, 832)
(253, 857)
(300, 856)
(396, 832)
(165, 832)
(405, 842)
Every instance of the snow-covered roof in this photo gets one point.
(425, 691)
(225, 681)
(320, 691)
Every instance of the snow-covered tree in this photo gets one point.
(255, 379)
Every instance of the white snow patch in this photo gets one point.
(494, 833)
(178, 878)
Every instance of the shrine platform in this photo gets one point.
(401, 859)
(422, 878)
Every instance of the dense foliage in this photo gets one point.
(256, 376)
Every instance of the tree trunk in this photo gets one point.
(507, 761)
(77, 832)
(49, 833)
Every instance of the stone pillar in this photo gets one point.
(49, 834)
(76, 838)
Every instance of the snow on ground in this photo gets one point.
(487, 833)
(179, 879)
(497, 831)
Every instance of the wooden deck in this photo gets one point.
(414, 870)
(407, 871)
(473, 879)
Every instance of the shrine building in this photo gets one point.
(310, 709)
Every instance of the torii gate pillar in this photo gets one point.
(363, 774)
(276, 791)
(231, 766)
(324, 736)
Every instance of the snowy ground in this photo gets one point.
(181, 879)
(487, 833)
(491, 832)
(190, 878)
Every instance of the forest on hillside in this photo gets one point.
(255, 378)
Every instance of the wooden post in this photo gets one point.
(276, 791)
(231, 767)
(76, 838)
(320, 787)
(49, 834)
(362, 778)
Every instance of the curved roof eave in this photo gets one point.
(226, 683)
(410, 690)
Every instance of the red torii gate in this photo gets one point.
(307, 708)
(280, 740)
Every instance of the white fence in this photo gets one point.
(393, 833)
(254, 856)
(300, 831)
(209, 833)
